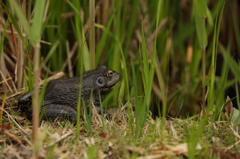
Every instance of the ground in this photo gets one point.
(116, 138)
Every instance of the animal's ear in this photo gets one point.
(102, 67)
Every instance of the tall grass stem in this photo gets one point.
(92, 33)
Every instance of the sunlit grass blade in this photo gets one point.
(138, 109)
(91, 152)
(201, 7)
(103, 41)
(145, 64)
(36, 28)
(200, 14)
(212, 97)
(201, 31)
(155, 64)
(125, 72)
(83, 50)
(92, 33)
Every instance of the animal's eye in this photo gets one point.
(110, 73)
(101, 81)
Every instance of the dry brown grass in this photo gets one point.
(58, 139)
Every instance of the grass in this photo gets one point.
(168, 61)
(118, 141)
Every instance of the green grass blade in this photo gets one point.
(50, 53)
(163, 86)
(22, 18)
(30, 76)
(201, 32)
(103, 40)
(220, 91)
(83, 51)
(37, 23)
(213, 64)
(13, 20)
(131, 23)
(145, 61)
(201, 7)
(234, 67)
(137, 104)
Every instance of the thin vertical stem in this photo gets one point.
(2, 69)
(203, 79)
(18, 49)
(92, 32)
(20, 62)
(203, 72)
(3, 103)
(36, 99)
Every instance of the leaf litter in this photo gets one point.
(59, 140)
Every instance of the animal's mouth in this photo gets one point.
(109, 87)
